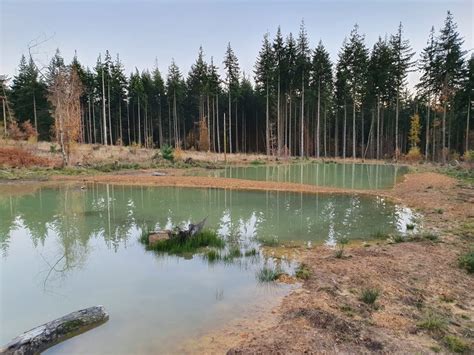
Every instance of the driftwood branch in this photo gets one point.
(43, 337)
(181, 234)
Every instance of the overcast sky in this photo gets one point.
(145, 31)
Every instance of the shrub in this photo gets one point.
(30, 132)
(410, 226)
(268, 274)
(414, 154)
(468, 156)
(303, 272)
(466, 261)
(369, 295)
(167, 152)
(455, 344)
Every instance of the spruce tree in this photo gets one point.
(303, 64)
(321, 82)
(402, 55)
(449, 68)
(263, 75)
(231, 66)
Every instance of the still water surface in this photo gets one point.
(65, 248)
(348, 176)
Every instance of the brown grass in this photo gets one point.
(19, 158)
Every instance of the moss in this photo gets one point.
(72, 325)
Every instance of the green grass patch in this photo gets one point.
(466, 261)
(303, 272)
(206, 238)
(369, 295)
(268, 274)
(257, 162)
(455, 344)
(432, 322)
(340, 245)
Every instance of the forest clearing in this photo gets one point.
(311, 191)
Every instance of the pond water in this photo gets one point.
(348, 176)
(65, 249)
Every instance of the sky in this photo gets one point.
(147, 32)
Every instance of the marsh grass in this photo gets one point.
(207, 238)
(369, 296)
(212, 255)
(268, 274)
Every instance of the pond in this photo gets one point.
(67, 248)
(348, 176)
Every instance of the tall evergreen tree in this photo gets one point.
(303, 64)
(29, 98)
(449, 67)
(263, 75)
(231, 66)
(402, 62)
(321, 81)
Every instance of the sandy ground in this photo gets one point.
(416, 280)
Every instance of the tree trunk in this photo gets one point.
(353, 129)
(278, 118)
(467, 123)
(267, 123)
(110, 118)
(318, 122)
(397, 151)
(230, 123)
(302, 119)
(104, 115)
(218, 131)
(378, 128)
(427, 132)
(44, 336)
(344, 131)
(443, 139)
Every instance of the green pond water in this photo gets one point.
(65, 249)
(348, 176)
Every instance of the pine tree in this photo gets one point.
(263, 75)
(29, 98)
(231, 66)
(303, 64)
(427, 84)
(342, 93)
(158, 98)
(290, 74)
(449, 67)
(357, 76)
(321, 82)
(174, 89)
(279, 62)
(401, 64)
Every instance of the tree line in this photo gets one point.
(298, 104)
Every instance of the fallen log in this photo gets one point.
(38, 339)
